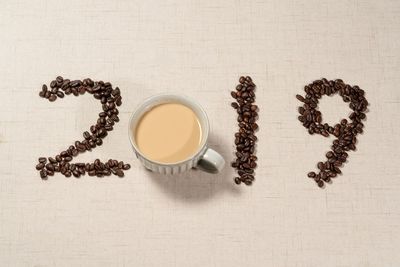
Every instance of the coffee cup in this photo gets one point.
(169, 135)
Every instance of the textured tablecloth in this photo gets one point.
(200, 48)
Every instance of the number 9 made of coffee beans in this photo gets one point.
(110, 98)
(345, 132)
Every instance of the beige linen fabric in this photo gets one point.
(199, 48)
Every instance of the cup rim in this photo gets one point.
(147, 102)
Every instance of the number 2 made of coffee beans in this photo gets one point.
(110, 99)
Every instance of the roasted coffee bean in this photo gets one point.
(109, 121)
(72, 167)
(59, 79)
(52, 98)
(93, 129)
(110, 163)
(311, 174)
(81, 148)
(115, 118)
(234, 105)
(111, 106)
(250, 177)
(60, 94)
(99, 142)
(76, 174)
(50, 167)
(87, 167)
(237, 180)
(43, 174)
(92, 144)
(75, 83)
(53, 84)
(300, 98)
(321, 166)
(120, 164)
(329, 154)
(97, 162)
(40, 166)
(42, 160)
(75, 152)
(116, 92)
(65, 84)
(86, 135)
(75, 91)
(88, 146)
(345, 131)
(80, 165)
(248, 182)
(337, 170)
(126, 167)
(119, 173)
(82, 90)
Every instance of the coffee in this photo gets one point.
(168, 133)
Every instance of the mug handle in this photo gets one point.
(211, 161)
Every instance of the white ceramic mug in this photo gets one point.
(204, 158)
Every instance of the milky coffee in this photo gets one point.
(168, 133)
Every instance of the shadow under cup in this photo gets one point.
(177, 167)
